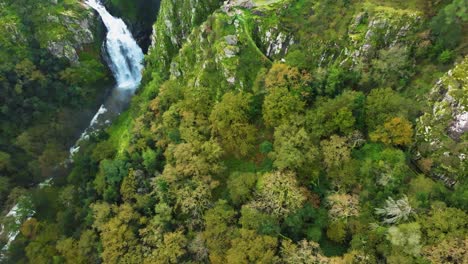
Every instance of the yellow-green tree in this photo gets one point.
(397, 131)
(250, 247)
(279, 194)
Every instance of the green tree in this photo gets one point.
(109, 177)
(250, 247)
(383, 104)
(279, 105)
(230, 120)
(443, 222)
(241, 186)
(335, 116)
(219, 230)
(262, 223)
(4, 188)
(294, 150)
(150, 160)
(336, 231)
(5, 161)
(170, 249)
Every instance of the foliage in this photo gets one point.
(279, 194)
(306, 252)
(396, 131)
(407, 237)
(230, 120)
(276, 133)
(252, 248)
(395, 211)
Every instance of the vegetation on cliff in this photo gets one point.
(294, 131)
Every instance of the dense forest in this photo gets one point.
(263, 131)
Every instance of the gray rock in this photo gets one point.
(231, 51)
(231, 39)
(63, 49)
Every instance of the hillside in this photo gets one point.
(281, 131)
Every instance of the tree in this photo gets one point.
(450, 251)
(107, 181)
(383, 104)
(304, 252)
(279, 194)
(4, 188)
(250, 247)
(117, 231)
(443, 222)
(129, 186)
(336, 231)
(335, 116)
(342, 206)
(150, 160)
(5, 161)
(42, 248)
(407, 237)
(170, 249)
(293, 150)
(188, 176)
(335, 151)
(335, 80)
(395, 211)
(219, 230)
(396, 131)
(241, 186)
(30, 228)
(279, 105)
(385, 166)
(283, 75)
(448, 24)
(262, 223)
(230, 120)
(52, 155)
(305, 222)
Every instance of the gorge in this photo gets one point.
(254, 131)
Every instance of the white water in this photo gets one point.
(125, 61)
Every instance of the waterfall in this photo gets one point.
(125, 62)
(124, 53)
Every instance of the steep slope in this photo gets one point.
(276, 132)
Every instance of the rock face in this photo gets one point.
(175, 22)
(80, 33)
(441, 132)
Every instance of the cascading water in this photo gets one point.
(125, 61)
